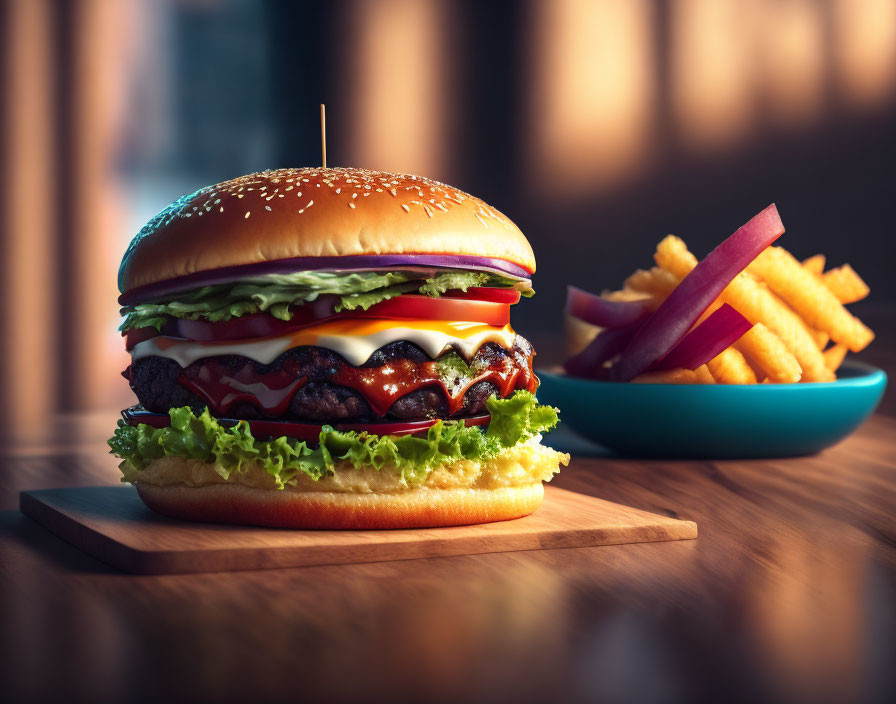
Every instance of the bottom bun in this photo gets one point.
(414, 508)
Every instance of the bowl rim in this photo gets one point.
(862, 375)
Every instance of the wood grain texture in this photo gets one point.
(789, 595)
(113, 525)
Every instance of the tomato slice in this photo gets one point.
(309, 432)
(482, 293)
(406, 307)
(426, 308)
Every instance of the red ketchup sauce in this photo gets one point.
(221, 386)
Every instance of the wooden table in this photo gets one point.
(789, 594)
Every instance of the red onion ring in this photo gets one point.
(229, 274)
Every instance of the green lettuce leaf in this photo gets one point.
(278, 294)
(454, 280)
(233, 448)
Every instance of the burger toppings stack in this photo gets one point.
(331, 348)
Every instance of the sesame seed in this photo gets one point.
(221, 208)
(351, 205)
(248, 213)
(268, 208)
(406, 208)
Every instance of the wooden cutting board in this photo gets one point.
(112, 524)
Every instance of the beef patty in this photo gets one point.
(157, 383)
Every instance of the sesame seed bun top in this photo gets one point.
(317, 212)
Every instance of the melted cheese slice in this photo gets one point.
(355, 340)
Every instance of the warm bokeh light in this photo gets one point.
(607, 111)
(593, 92)
(864, 33)
(29, 269)
(103, 57)
(399, 77)
(712, 70)
(790, 51)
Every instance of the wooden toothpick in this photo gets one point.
(323, 134)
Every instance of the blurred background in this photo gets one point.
(597, 125)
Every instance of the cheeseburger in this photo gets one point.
(331, 348)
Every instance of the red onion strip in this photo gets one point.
(229, 274)
(588, 363)
(711, 337)
(601, 312)
(678, 313)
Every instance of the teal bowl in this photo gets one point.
(716, 421)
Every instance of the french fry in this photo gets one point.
(815, 264)
(834, 356)
(845, 284)
(809, 297)
(821, 338)
(578, 334)
(657, 282)
(755, 302)
(730, 367)
(626, 295)
(704, 376)
(796, 310)
(668, 376)
(771, 357)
